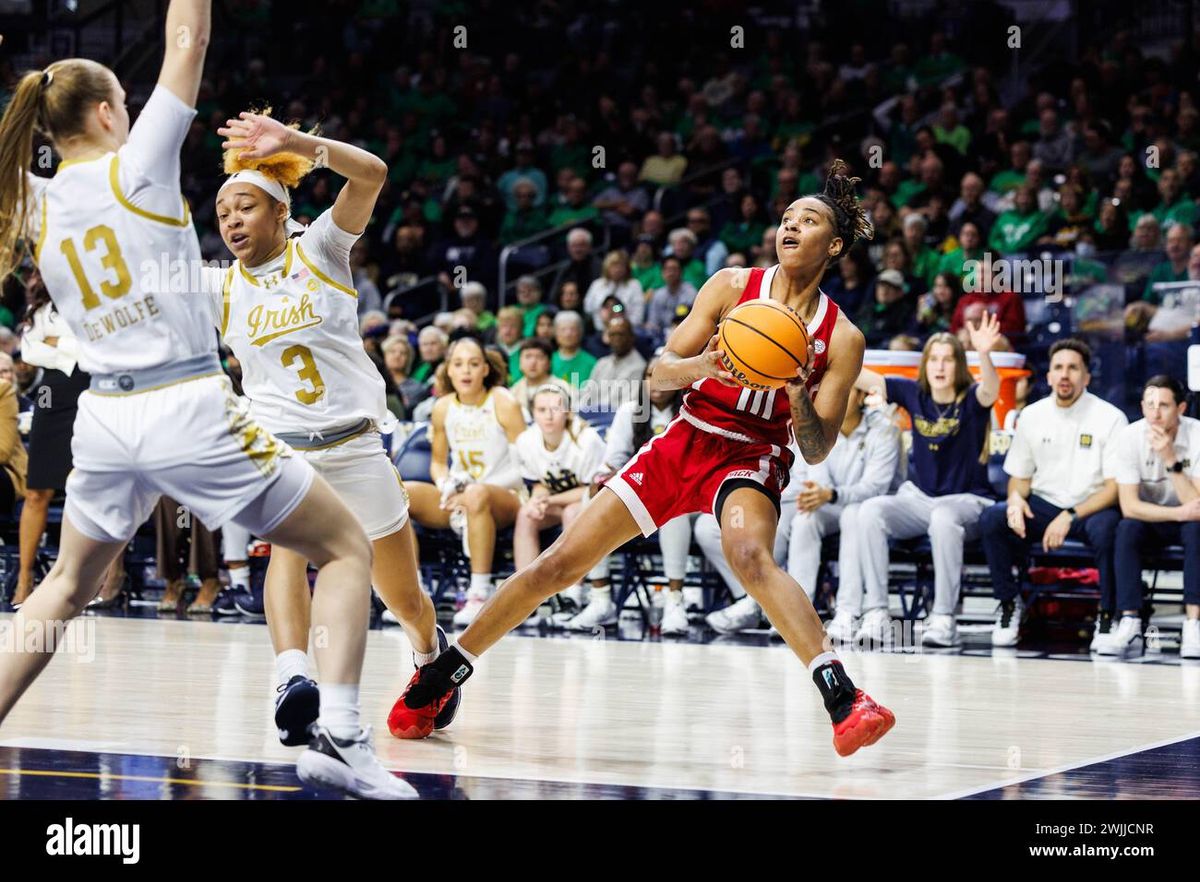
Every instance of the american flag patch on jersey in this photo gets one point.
(300, 276)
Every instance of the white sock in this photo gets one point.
(424, 658)
(824, 658)
(290, 663)
(601, 595)
(481, 582)
(239, 576)
(339, 710)
(471, 658)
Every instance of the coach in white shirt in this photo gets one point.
(1158, 485)
(1061, 484)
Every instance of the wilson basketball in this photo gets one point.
(764, 343)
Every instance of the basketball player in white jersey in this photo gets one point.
(561, 456)
(288, 310)
(160, 416)
(474, 466)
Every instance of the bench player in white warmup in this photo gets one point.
(160, 416)
(288, 310)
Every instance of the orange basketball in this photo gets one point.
(764, 343)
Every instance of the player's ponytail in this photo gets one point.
(849, 218)
(54, 102)
(286, 169)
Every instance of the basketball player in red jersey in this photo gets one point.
(726, 452)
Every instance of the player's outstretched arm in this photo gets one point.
(816, 423)
(189, 27)
(691, 352)
(258, 136)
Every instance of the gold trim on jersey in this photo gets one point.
(41, 240)
(225, 295)
(114, 180)
(287, 269)
(320, 275)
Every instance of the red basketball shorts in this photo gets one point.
(681, 471)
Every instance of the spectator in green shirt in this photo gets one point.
(683, 246)
(1014, 176)
(526, 220)
(948, 130)
(970, 247)
(431, 344)
(1020, 228)
(529, 298)
(571, 361)
(745, 231)
(575, 209)
(643, 265)
(1175, 207)
(474, 298)
(923, 259)
(1175, 267)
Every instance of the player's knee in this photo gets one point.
(751, 562)
(943, 522)
(475, 498)
(554, 569)
(870, 514)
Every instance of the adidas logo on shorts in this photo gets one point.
(636, 477)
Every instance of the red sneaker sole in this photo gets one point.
(870, 729)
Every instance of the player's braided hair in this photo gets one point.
(849, 219)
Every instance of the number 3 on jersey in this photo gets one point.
(111, 260)
(308, 373)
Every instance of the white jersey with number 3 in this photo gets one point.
(117, 250)
(293, 324)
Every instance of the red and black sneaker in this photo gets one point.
(866, 723)
(416, 712)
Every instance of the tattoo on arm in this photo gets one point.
(808, 428)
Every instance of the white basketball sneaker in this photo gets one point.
(941, 630)
(1102, 634)
(1189, 645)
(1123, 637)
(842, 627)
(476, 598)
(741, 615)
(675, 620)
(1008, 623)
(599, 612)
(350, 766)
(876, 627)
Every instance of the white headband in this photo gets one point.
(271, 188)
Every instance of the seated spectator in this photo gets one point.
(764, 255)
(1175, 267)
(948, 488)
(970, 247)
(571, 362)
(852, 283)
(615, 281)
(665, 301)
(1175, 206)
(667, 166)
(570, 297)
(529, 300)
(972, 316)
(397, 357)
(615, 377)
(575, 208)
(935, 310)
(1055, 147)
(710, 249)
(1017, 230)
(582, 267)
(1068, 221)
(508, 332)
(1157, 466)
(643, 265)
(923, 259)
(466, 246)
(1006, 305)
(897, 257)
(969, 207)
(474, 298)
(1013, 177)
(682, 243)
(1111, 229)
(1061, 485)
(431, 345)
(561, 456)
(534, 357)
(525, 219)
(544, 327)
(744, 231)
(524, 170)
(889, 312)
(623, 201)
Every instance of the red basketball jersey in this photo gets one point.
(749, 415)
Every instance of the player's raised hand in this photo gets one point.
(257, 136)
(712, 364)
